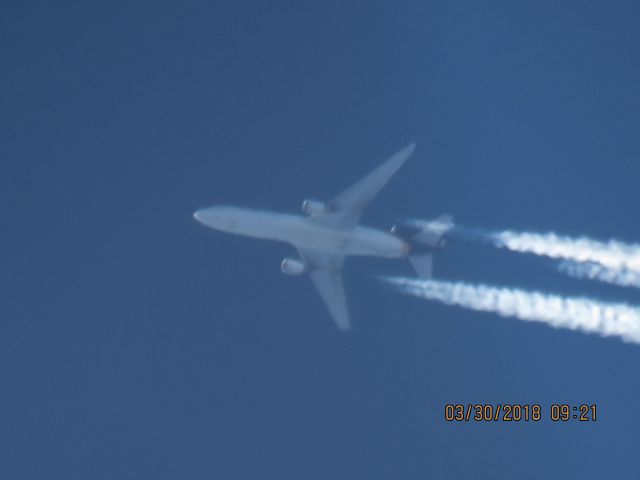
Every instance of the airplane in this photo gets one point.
(330, 232)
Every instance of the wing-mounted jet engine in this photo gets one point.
(290, 266)
(424, 237)
(314, 207)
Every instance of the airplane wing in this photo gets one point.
(326, 274)
(346, 208)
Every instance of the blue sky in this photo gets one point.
(137, 343)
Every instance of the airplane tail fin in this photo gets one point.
(427, 233)
(422, 264)
(432, 233)
(425, 238)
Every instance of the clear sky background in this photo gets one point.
(135, 343)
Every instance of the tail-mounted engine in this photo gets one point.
(405, 231)
(428, 233)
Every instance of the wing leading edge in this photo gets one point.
(326, 275)
(345, 209)
(331, 289)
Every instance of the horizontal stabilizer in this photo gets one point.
(422, 264)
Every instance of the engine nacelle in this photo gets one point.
(290, 266)
(428, 233)
(405, 231)
(311, 207)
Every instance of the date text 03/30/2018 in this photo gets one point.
(519, 412)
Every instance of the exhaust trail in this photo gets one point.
(582, 314)
(595, 271)
(613, 262)
(613, 255)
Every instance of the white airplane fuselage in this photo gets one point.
(302, 232)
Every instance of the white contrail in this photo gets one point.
(596, 271)
(614, 255)
(587, 315)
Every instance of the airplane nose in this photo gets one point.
(198, 214)
(213, 217)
